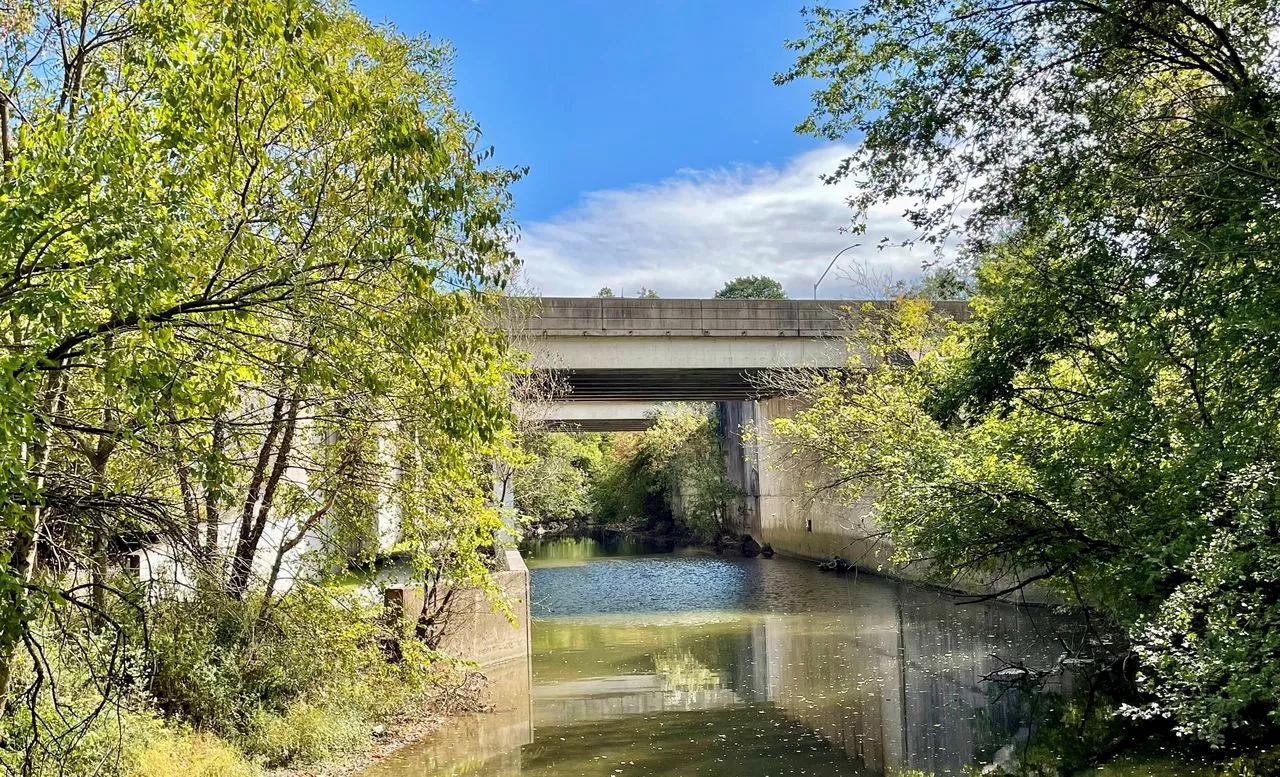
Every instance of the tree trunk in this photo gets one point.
(6, 143)
(26, 536)
(262, 495)
(190, 507)
(242, 558)
(100, 531)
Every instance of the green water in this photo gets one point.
(687, 663)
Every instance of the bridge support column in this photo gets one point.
(741, 463)
(778, 503)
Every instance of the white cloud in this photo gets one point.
(687, 235)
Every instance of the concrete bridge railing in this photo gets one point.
(588, 317)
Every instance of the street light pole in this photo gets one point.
(830, 265)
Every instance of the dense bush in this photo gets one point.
(160, 751)
(219, 662)
(556, 484)
(667, 478)
(306, 733)
(304, 681)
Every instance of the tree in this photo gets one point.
(240, 240)
(646, 293)
(1110, 416)
(752, 287)
(605, 292)
(669, 477)
(555, 485)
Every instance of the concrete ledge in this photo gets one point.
(578, 316)
(477, 631)
(612, 316)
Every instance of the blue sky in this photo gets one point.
(660, 152)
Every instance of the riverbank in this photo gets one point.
(155, 748)
(397, 734)
(320, 680)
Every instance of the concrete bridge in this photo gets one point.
(618, 358)
(621, 358)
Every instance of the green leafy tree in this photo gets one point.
(1110, 416)
(752, 287)
(240, 241)
(605, 292)
(556, 484)
(667, 477)
(646, 293)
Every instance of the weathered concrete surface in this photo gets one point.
(593, 316)
(477, 632)
(480, 634)
(782, 502)
(631, 349)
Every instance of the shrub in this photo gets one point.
(219, 662)
(305, 733)
(167, 752)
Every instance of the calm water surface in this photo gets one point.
(686, 663)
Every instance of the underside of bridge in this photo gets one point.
(674, 385)
(625, 350)
(600, 416)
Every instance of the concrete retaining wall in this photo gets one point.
(477, 632)
(782, 503)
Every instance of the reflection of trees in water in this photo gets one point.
(681, 671)
(598, 543)
(888, 675)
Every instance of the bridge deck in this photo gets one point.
(682, 349)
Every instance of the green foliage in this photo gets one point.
(218, 664)
(605, 292)
(33, 742)
(646, 293)
(669, 475)
(162, 751)
(557, 483)
(1110, 420)
(1210, 650)
(130, 742)
(752, 287)
(667, 478)
(305, 733)
(302, 682)
(252, 257)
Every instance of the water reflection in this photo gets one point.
(715, 666)
(564, 551)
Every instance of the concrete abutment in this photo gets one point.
(782, 499)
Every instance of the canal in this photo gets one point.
(648, 661)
